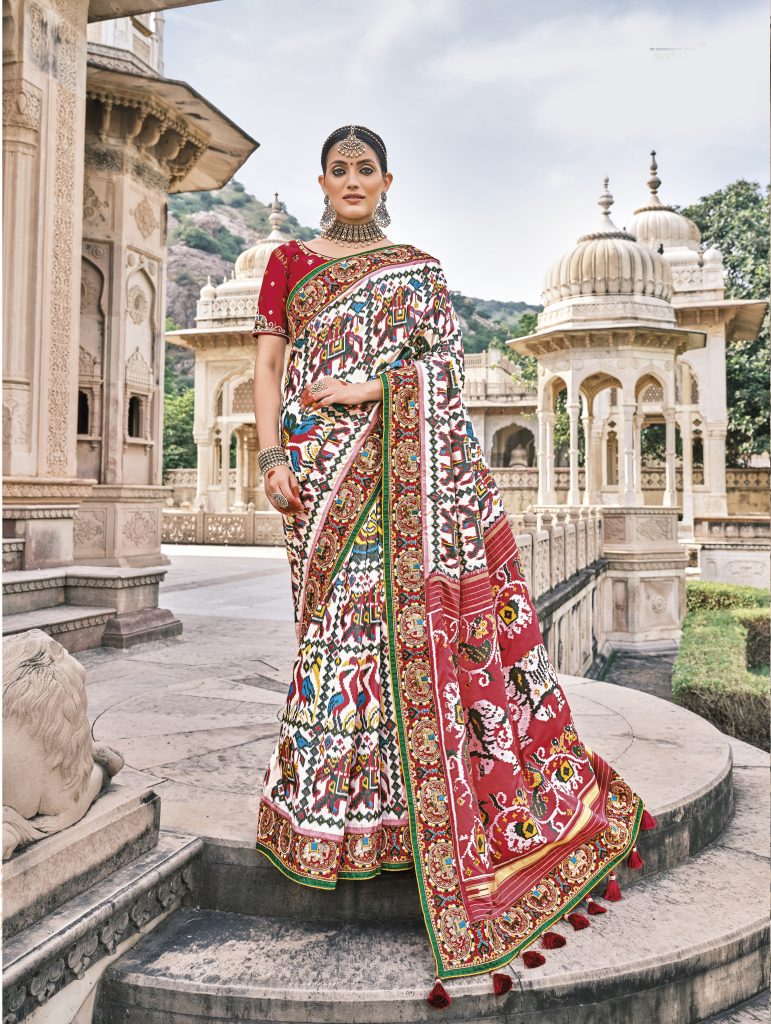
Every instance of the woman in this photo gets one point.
(425, 728)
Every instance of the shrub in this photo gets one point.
(710, 675)
(707, 595)
(758, 624)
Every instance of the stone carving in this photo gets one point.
(16, 419)
(89, 528)
(139, 528)
(54, 48)
(144, 216)
(615, 528)
(137, 304)
(93, 205)
(22, 105)
(52, 770)
(99, 941)
(620, 606)
(654, 528)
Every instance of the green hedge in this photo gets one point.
(702, 594)
(710, 674)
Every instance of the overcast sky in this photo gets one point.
(500, 117)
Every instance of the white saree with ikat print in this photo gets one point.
(425, 728)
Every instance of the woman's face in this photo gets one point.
(347, 177)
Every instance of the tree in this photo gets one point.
(735, 220)
(179, 450)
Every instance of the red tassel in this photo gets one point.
(648, 821)
(439, 996)
(613, 891)
(502, 983)
(635, 860)
(532, 958)
(577, 920)
(594, 907)
(553, 940)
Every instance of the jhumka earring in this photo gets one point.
(381, 215)
(328, 216)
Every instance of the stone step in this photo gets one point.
(753, 1011)
(688, 789)
(76, 627)
(681, 945)
(25, 590)
(13, 553)
(44, 962)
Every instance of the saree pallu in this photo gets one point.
(425, 726)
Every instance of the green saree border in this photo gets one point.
(588, 886)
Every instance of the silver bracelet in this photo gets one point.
(273, 455)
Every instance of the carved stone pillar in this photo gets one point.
(590, 460)
(542, 480)
(627, 455)
(44, 78)
(670, 486)
(574, 495)
(687, 442)
(638, 491)
(131, 146)
(550, 496)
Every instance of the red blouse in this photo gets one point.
(288, 263)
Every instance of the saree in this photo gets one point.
(425, 727)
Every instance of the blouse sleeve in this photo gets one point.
(271, 305)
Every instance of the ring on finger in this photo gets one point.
(317, 385)
(279, 499)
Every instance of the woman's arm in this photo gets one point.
(268, 371)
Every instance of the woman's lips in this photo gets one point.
(353, 199)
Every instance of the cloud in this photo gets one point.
(500, 118)
(595, 75)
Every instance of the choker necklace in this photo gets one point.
(352, 234)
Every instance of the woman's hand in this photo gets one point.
(283, 480)
(330, 390)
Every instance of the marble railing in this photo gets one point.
(555, 546)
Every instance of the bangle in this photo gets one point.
(274, 455)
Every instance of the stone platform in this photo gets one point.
(195, 717)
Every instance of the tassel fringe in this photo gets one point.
(635, 860)
(502, 983)
(532, 958)
(439, 996)
(577, 920)
(648, 821)
(593, 907)
(613, 891)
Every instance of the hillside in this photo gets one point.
(207, 231)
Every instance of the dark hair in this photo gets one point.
(365, 134)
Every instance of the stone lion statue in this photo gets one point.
(52, 771)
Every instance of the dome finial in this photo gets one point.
(654, 181)
(605, 201)
(277, 216)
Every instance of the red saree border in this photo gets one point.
(319, 862)
(460, 946)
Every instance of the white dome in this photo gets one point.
(607, 262)
(660, 226)
(251, 263)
